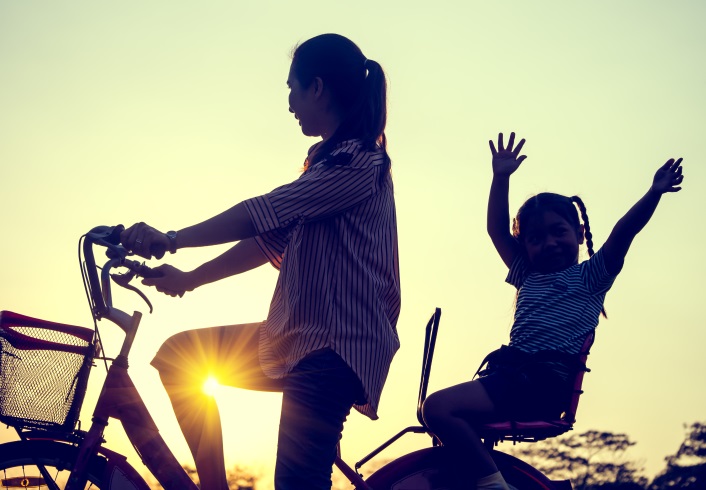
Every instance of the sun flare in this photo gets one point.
(210, 386)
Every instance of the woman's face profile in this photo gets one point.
(301, 104)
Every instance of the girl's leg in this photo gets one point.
(184, 362)
(452, 415)
(317, 397)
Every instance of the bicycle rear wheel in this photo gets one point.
(19, 468)
(429, 469)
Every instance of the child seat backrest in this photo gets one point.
(570, 415)
(429, 342)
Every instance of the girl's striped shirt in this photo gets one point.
(556, 311)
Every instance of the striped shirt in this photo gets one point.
(556, 311)
(332, 233)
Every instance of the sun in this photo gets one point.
(211, 386)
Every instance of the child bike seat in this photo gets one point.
(537, 430)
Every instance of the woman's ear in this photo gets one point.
(317, 87)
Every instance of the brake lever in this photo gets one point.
(123, 280)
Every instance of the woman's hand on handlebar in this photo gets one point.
(171, 280)
(145, 241)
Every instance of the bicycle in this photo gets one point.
(44, 370)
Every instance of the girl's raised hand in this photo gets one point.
(668, 177)
(506, 160)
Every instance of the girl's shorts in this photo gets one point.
(526, 395)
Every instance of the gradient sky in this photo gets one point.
(171, 111)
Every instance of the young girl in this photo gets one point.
(331, 333)
(558, 304)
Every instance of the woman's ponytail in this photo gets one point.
(376, 103)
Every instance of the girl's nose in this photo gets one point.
(290, 110)
(549, 242)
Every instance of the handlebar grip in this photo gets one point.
(158, 251)
(140, 269)
(114, 237)
(148, 272)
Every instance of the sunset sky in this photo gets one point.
(172, 111)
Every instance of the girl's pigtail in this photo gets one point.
(588, 236)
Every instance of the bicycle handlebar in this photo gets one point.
(98, 288)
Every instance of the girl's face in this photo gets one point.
(551, 242)
(303, 104)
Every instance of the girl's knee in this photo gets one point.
(435, 409)
(468, 402)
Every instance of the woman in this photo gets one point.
(330, 334)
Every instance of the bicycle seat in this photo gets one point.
(537, 430)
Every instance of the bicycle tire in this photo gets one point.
(429, 469)
(18, 462)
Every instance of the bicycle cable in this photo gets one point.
(86, 288)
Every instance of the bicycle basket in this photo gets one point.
(44, 369)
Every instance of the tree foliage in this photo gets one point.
(239, 478)
(591, 460)
(687, 467)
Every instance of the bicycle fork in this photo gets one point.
(120, 400)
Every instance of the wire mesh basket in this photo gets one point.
(44, 368)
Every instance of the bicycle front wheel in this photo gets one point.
(47, 464)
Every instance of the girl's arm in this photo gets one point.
(505, 162)
(667, 179)
(244, 256)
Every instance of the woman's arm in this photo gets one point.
(505, 162)
(231, 225)
(244, 256)
(667, 179)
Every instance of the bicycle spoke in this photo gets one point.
(30, 477)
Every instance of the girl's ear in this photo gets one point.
(580, 233)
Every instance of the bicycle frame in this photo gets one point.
(119, 399)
